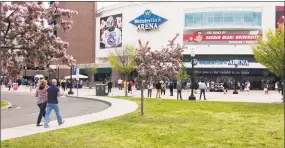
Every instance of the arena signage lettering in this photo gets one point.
(231, 62)
(148, 21)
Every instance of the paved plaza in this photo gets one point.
(257, 96)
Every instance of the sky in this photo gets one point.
(104, 4)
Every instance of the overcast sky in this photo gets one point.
(104, 4)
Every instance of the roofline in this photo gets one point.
(119, 5)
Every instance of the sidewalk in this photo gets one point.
(117, 108)
(256, 96)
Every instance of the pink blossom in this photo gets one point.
(28, 36)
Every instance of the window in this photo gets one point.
(228, 18)
(247, 18)
(238, 18)
(189, 20)
(198, 19)
(256, 19)
(101, 76)
(218, 18)
(208, 19)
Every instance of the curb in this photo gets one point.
(118, 108)
(7, 106)
(107, 102)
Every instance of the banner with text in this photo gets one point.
(279, 17)
(220, 37)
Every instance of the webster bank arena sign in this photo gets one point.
(148, 21)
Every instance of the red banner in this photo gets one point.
(221, 37)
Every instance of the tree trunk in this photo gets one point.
(142, 100)
(126, 88)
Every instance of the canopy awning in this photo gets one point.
(104, 70)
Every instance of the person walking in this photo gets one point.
(41, 100)
(163, 88)
(171, 86)
(63, 84)
(265, 87)
(110, 84)
(276, 85)
(52, 104)
(149, 90)
(130, 87)
(202, 87)
(120, 84)
(179, 89)
(280, 88)
(158, 89)
(225, 87)
(10, 84)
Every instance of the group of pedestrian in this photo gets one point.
(47, 100)
(130, 85)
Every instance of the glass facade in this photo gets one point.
(223, 18)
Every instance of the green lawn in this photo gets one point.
(173, 124)
(3, 103)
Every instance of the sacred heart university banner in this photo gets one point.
(220, 37)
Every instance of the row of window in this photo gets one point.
(229, 18)
(249, 58)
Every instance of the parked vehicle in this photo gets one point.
(217, 87)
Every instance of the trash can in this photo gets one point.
(15, 86)
(101, 90)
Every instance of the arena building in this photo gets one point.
(217, 32)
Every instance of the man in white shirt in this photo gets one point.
(202, 87)
(120, 84)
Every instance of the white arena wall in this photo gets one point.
(174, 13)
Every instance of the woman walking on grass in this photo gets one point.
(41, 100)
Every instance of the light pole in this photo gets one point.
(58, 71)
(236, 65)
(25, 72)
(70, 91)
(192, 97)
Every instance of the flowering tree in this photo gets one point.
(27, 36)
(157, 65)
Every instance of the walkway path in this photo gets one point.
(25, 111)
(117, 108)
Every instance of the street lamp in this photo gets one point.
(192, 97)
(25, 72)
(236, 65)
(70, 91)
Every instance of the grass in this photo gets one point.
(173, 124)
(4, 103)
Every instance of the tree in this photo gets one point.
(123, 61)
(27, 36)
(157, 65)
(183, 75)
(270, 52)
